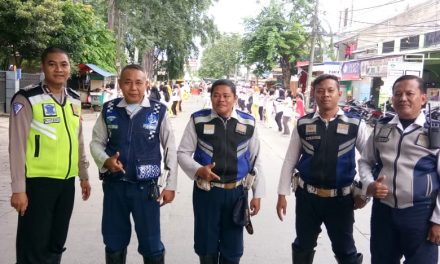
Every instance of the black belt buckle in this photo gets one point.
(153, 190)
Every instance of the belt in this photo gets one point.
(229, 185)
(321, 192)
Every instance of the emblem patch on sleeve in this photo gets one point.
(17, 107)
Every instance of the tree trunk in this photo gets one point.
(285, 67)
(111, 14)
(148, 63)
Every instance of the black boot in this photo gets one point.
(54, 258)
(155, 260)
(354, 260)
(222, 260)
(118, 257)
(209, 259)
(301, 257)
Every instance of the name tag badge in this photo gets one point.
(342, 129)
(208, 129)
(383, 135)
(422, 140)
(75, 109)
(240, 129)
(310, 129)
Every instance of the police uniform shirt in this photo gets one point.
(368, 160)
(99, 142)
(19, 127)
(188, 146)
(294, 151)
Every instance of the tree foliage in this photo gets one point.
(221, 57)
(161, 30)
(276, 37)
(28, 27)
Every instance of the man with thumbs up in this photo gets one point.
(126, 147)
(219, 148)
(401, 171)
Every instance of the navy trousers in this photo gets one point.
(214, 230)
(121, 199)
(42, 231)
(338, 217)
(401, 232)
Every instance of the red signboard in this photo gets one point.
(351, 70)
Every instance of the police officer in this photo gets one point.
(225, 146)
(46, 152)
(322, 149)
(405, 218)
(125, 145)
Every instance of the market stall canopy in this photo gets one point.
(92, 67)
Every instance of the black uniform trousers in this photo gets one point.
(42, 230)
(338, 217)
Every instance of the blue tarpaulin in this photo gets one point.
(98, 70)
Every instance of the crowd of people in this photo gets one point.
(134, 148)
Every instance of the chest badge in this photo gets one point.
(49, 110)
(422, 140)
(241, 129)
(342, 129)
(208, 129)
(151, 122)
(310, 129)
(384, 134)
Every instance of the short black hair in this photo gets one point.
(324, 77)
(50, 50)
(226, 82)
(131, 67)
(411, 77)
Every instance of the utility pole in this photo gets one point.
(312, 54)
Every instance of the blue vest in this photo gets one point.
(225, 142)
(136, 139)
(328, 152)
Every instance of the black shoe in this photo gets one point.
(353, 260)
(155, 260)
(302, 257)
(118, 257)
(209, 259)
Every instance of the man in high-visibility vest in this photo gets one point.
(46, 151)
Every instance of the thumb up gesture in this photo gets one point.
(113, 164)
(378, 188)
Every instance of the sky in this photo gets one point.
(229, 14)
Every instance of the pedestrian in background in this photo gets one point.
(45, 126)
(400, 169)
(322, 149)
(219, 148)
(126, 145)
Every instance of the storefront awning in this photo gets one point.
(96, 69)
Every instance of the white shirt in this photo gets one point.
(188, 146)
(166, 135)
(294, 151)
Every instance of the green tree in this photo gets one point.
(275, 38)
(221, 57)
(26, 27)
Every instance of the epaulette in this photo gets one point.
(73, 93)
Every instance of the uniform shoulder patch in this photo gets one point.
(16, 107)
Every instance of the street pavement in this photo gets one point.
(271, 242)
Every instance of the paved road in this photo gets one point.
(270, 243)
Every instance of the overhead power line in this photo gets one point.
(372, 7)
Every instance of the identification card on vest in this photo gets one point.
(49, 110)
(240, 129)
(342, 129)
(208, 129)
(310, 129)
(383, 135)
(422, 140)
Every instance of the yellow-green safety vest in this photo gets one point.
(52, 145)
